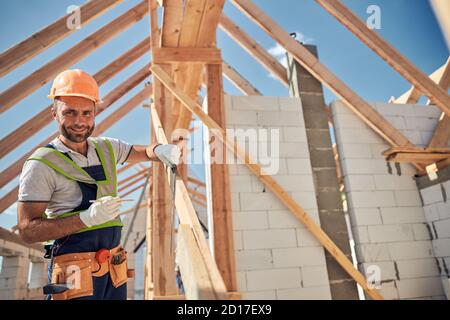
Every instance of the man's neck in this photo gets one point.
(80, 147)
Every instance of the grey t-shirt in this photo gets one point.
(39, 182)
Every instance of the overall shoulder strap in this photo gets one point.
(61, 164)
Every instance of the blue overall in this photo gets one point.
(92, 241)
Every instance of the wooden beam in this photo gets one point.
(14, 170)
(34, 81)
(414, 157)
(197, 194)
(139, 173)
(125, 167)
(24, 51)
(362, 109)
(196, 282)
(183, 55)
(387, 52)
(220, 186)
(132, 190)
(279, 192)
(202, 34)
(8, 199)
(254, 49)
(239, 81)
(188, 216)
(196, 181)
(441, 135)
(43, 118)
(137, 178)
(162, 258)
(441, 76)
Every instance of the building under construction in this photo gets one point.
(358, 204)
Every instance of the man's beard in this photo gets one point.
(76, 137)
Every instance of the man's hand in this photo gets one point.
(103, 210)
(169, 154)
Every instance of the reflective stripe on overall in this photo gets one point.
(94, 182)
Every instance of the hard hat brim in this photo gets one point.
(76, 95)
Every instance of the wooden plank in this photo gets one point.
(426, 158)
(196, 282)
(43, 118)
(24, 51)
(387, 52)
(441, 76)
(197, 194)
(139, 173)
(171, 23)
(361, 108)
(206, 37)
(220, 186)
(125, 167)
(254, 49)
(14, 170)
(191, 55)
(190, 25)
(280, 193)
(132, 190)
(441, 135)
(196, 181)
(188, 215)
(239, 81)
(122, 186)
(40, 77)
(7, 200)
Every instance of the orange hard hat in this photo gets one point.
(75, 83)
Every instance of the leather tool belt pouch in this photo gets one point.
(78, 270)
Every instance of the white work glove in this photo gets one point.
(169, 154)
(102, 210)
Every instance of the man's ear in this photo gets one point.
(53, 110)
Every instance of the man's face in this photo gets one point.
(75, 117)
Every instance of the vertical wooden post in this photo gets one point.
(220, 187)
(160, 267)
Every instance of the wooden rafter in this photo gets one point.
(388, 53)
(281, 194)
(198, 30)
(239, 81)
(441, 76)
(24, 51)
(441, 135)
(254, 49)
(418, 155)
(28, 85)
(43, 118)
(360, 107)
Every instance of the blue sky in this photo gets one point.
(409, 25)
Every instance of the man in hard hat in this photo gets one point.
(68, 193)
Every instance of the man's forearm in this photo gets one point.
(39, 230)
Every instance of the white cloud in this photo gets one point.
(280, 53)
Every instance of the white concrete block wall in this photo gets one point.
(389, 223)
(437, 213)
(276, 256)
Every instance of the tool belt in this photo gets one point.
(78, 270)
